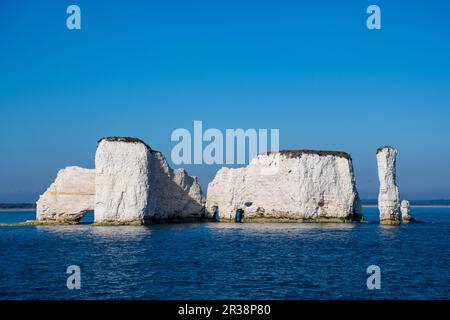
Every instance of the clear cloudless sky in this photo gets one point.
(144, 68)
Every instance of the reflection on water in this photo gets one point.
(388, 231)
(371, 214)
(285, 230)
(282, 227)
(105, 232)
(120, 232)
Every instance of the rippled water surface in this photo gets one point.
(228, 261)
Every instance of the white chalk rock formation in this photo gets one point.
(122, 181)
(135, 185)
(69, 198)
(389, 197)
(406, 212)
(300, 185)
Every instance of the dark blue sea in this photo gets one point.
(228, 261)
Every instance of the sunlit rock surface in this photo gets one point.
(69, 198)
(299, 185)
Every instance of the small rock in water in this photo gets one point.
(406, 216)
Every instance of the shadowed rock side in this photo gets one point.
(69, 198)
(389, 196)
(304, 186)
(173, 193)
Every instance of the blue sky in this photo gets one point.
(145, 68)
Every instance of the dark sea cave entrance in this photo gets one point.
(239, 216)
(216, 214)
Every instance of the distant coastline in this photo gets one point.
(17, 206)
(413, 206)
(365, 203)
(414, 203)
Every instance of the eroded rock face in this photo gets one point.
(122, 181)
(289, 185)
(389, 196)
(69, 198)
(135, 185)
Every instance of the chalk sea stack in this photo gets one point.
(69, 197)
(297, 185)
(389, 196)
(135, 185)
(122, 181)
(131, 184)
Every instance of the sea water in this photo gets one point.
(228, 261)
